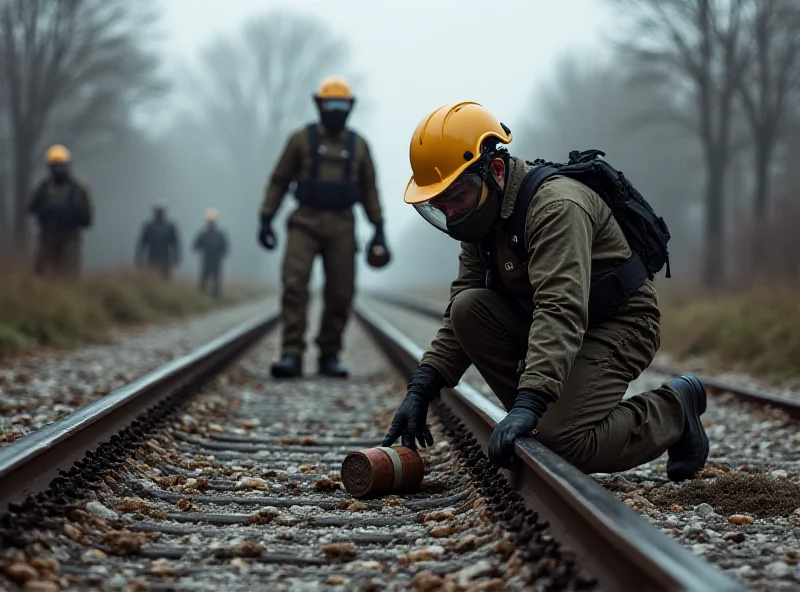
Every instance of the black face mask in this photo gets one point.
(475, 227)
(334, 121)
(60, 177)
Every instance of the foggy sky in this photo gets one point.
(415, 56)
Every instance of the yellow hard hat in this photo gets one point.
(57, 154)
(334, 87)
(445, 143)
(211, 214)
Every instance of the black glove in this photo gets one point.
(378, 238)
(409, 420)
(518, 423)
(265, 235)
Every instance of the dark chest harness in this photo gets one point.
(323, 194)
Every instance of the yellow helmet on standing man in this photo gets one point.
(334, 87)
(57, 154)
(334, 101)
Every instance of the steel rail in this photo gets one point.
(617, 545)
(789, 405)
(28, 464)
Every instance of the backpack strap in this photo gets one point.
(72, 197)
(350, 148)
(313, 148)
(527, 189)
(489, 263)
(608, 291)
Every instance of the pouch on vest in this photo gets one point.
(329, 195)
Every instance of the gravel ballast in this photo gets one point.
(742, 513)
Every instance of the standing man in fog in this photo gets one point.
(62, 205)
(333, 170)
(159, 246)
(212, 244)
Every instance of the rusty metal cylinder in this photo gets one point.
(375, 471)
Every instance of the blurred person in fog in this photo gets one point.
(332, 168)
(212, 244)
(62, 205)
(158, 247)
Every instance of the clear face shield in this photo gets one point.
(334, 113)
(330, 105)
(456, 204)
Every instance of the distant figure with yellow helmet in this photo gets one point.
(552, 304)
(62, 205)
(212, 244)
(331, 167)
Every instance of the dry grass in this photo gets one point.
(36, 312)
(757, 331)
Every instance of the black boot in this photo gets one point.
(688, 455)
(289, 366)
(329, 365)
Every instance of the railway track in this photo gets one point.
(743, 512)
(206, 474)
(787, 404)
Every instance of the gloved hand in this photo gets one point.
(518, 423)
(378, 238)
(265, 234)
(409, 419)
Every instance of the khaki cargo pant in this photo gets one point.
(338, 251)
(590, 425)
(58, 254)
(210, 277)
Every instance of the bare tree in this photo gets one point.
(789, 179)
(70, 67)
(696, 47)
(772, 75)
(252, 89)
(589, 104)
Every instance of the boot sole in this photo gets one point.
(281, 373)
(695, 407)
(329, 375)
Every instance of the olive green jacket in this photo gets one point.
(571, 238)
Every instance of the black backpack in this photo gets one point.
(646, 233)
